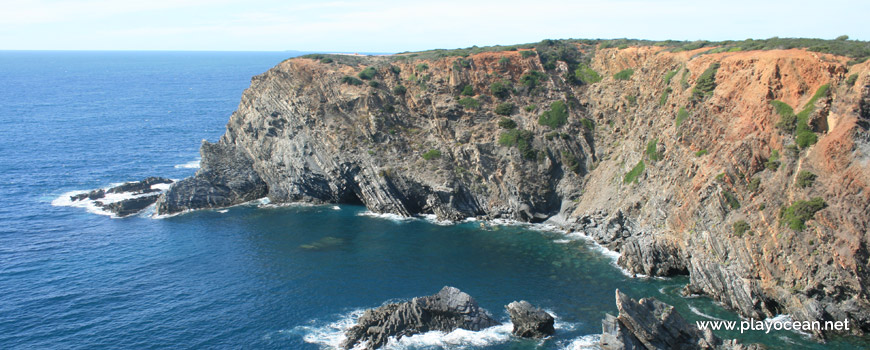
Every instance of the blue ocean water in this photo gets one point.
(252, 276)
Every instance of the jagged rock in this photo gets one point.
(143, 186)
(651, 324)
(652, 256)
(92, 195)
(141, 195)
(226, 177)
(529, 321)
(445, 311)
(127, 207)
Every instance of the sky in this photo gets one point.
(396, 26)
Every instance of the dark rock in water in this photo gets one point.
(130, 206)
(529, 321)
(324, 243)
(446, 311)
(226, 177)
(652, 324)
(143, 186)
(92, 195)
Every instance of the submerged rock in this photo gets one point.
(445, 311)
(652, 324)
(529, 321)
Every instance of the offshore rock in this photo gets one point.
(135, 196)
(651, 324)
(529, 321)
(445, 311)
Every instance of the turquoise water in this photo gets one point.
(253, 276)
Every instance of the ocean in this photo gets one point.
(257, 276)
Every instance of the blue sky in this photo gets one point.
(392, 26)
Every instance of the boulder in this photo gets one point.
(529, 321)
(445, 311)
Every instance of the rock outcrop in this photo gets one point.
(651, 324)
(681, 171)
(529, 321)
(448, 310)
(133, 196)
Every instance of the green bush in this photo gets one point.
(586, 75)
(422, 67)
(850, 81)
(374, 84)
(701, 153)
(349, 80)
(684, 79)
(624, 74)
(651, 150)
(432, 154)
(367, 73)
(772, 163)
(506, 108)
(326, 60)
(521, 139)
(670, 75)
(706, 82)
(571, 162)
(500, 89)
(787, 119)
(740, 227)
(530, 107)
(731, 199)
(633, 174)
(469, 103)
(588, 124)
(527, 53)
(556, 116)
(507, 123)
(399, 90)
(395, 69)
(753, 184)
(632, 100)
(682, 114)
(796, 215)
(532, 78)
(468, 91)
(504, 61)
(805, 179)
(664, 99)
(805, 138)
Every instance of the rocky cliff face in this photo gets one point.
(679, 164)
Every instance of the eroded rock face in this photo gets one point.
(301, 134)
(445, 311)
(651, 324)
(529, 321)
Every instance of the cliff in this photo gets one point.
(746, 170)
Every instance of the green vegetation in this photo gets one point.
(731, 199)
(850, 81)
(432, 154)
(532, 78)
(399, 90)
(395, 69)
(787, 119)
(586, 75)
(349, 80)
(632, 100)
(587, 123)
(651, 150)
(740, 227)
(684, 79)
(556, 116)
(571, 162)
(633, 174)
(805, 179)
(507, 123)
(374, 84)
(422, 66)
(467, 91)
(624, 74)
(506, 108)
(462, 63)
(469, 103)
(773, 162)
(326, 60)
(504, 61)
(798, 124)
(670, 75)
(796, 215)
(367, 74)
(706, 82)
(527, 53)
(682, 114)
(521, 139)
(701, 153)
(500, 89)
(664, 99)
(753, 184)
(530, 107)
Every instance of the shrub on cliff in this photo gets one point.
(500, 89)
(772, 163)
(532, 78)
(586, 74)
(740, 227)
(556, 116)
(395, 69)
(682, 114)
(521, 139)
(399, 90)
(506, 108)
(349, 80)
(432, 154)
(796, 215)
(633, 174)
(624, 74)
(651, 150)
(706, 82)
(731, 199)
(470, 103)
(367, 74)
(570, 161)
(850, 81)
(527, 53)
(805, 179)
(507, 123)
(422, 67)
(467, 91)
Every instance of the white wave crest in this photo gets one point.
(193, 164)
(460, 338)
(432, 218)
(590, 341)
(699, 313)
(91, 206)
(387, 216)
